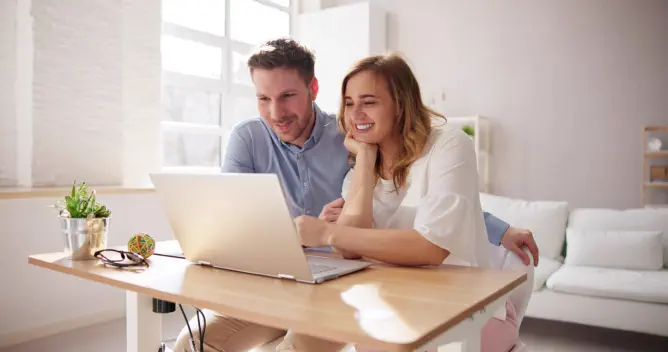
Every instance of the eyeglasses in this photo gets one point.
(118, 258)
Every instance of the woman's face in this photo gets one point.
(370, 112)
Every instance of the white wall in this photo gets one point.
(7, 98)
(36, 301)
(77, 82)
(141, 87)
(365, 34)
(83, 92)
(567, 85)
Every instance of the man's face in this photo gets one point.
(285, 103)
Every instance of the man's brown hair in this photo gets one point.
(284, 53)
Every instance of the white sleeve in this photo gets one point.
(445, 215)
(345, 187)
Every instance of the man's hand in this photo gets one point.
(514, 239)
(332, 210)
(312, 231)
(316, 233)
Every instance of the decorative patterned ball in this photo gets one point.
(142, 244)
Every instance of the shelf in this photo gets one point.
(656, 128)
(657, 206)
(656, 184)
(661, 154)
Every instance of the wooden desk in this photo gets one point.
(384, 307)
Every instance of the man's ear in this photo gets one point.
(314, 87)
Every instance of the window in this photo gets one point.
(207, 88)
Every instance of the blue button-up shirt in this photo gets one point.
(311, 175)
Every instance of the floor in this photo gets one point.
(539, 335)
(550, 336)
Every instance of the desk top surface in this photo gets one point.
(387, 307)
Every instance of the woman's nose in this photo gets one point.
(357, 111)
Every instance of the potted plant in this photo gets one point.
(84, 222)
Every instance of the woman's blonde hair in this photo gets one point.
(414, 117)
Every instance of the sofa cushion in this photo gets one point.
(542, 272)
(615, 249)
(635, 285)
(545, 219)
(643, 219)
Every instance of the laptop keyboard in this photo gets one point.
(316, 268)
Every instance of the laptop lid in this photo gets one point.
(233, 221)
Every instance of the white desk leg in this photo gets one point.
(472, 344)
(465, 336)
(143, 327)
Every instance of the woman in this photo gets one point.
(412, 197)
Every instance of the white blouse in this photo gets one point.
(441, 198)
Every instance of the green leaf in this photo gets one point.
(469, 130)
(101, 211)
(81, 204)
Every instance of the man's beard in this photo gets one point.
(300, 130)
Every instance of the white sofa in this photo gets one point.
(598, 267)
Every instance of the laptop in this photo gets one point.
(241, 222)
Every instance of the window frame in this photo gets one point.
(225, 86)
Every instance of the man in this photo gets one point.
(302, 145)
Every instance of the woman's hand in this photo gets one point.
(358, 148)
(313, 232)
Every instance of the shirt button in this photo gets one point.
(308, 211)
(305, 184)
